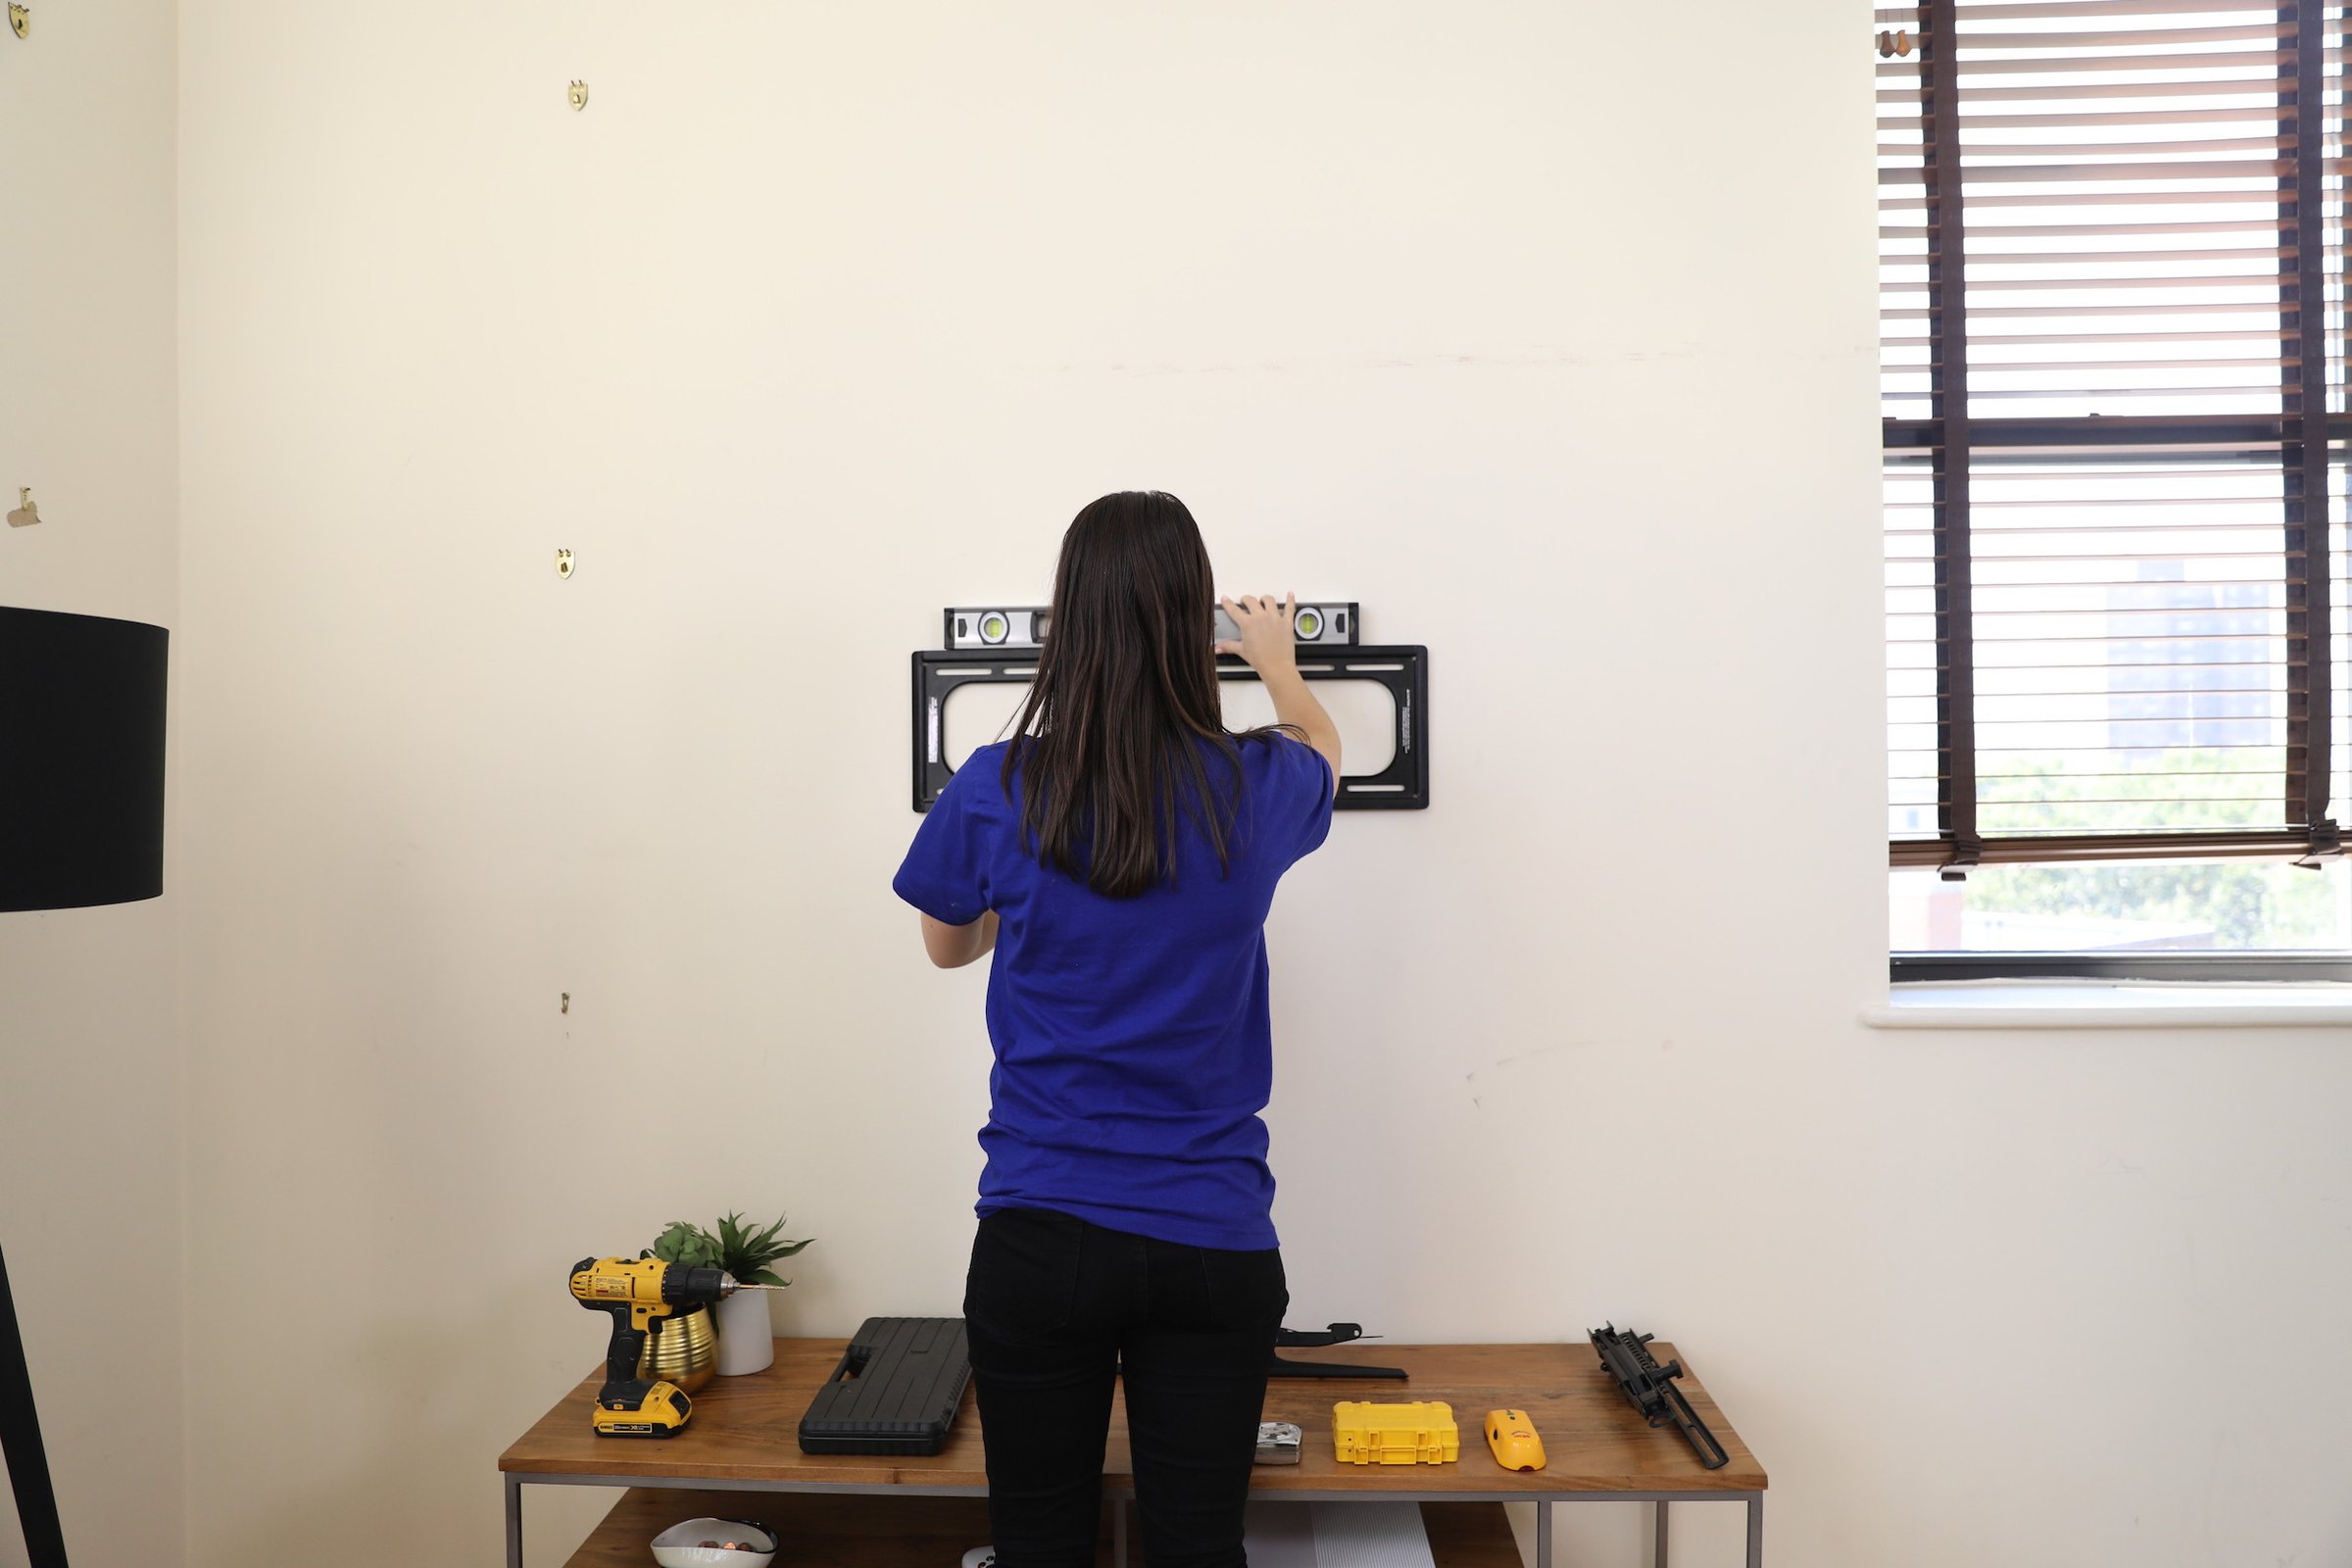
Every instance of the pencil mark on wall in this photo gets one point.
(1501, 1062)
(1472, 1077)
(1541, 359)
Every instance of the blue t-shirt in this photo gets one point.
(1133, 1044)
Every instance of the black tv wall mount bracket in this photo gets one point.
(1403, 670)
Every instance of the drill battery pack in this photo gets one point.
(896, 1391)
(1423, 1432)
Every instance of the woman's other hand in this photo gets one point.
(1269, 647)
(1268, 644)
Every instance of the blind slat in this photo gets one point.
(2202, 226)
(2048, 366)
(2047, 120)
(1982, 257)
(2106, 198)
(2055, 10)
(1976, 66)
(1979, 175)
(2160, 307)
(2152, 37)
(1971, 148)
(2062, 339)
(2239, 280)
(2068, 92)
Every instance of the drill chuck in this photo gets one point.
(683, 1287)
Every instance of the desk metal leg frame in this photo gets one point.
(1659, 1536)
(1118, 1506)
(515, 1481)
(1543, 1502)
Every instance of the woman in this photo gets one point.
(1118, 854)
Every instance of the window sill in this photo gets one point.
(2108, 1005)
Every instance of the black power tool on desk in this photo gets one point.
(1650, 1387)
(1281, 1366)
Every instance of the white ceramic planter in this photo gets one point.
(745, 1342)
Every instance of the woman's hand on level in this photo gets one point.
(1266, 643)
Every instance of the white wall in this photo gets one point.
(90, 1070)
(818, 318)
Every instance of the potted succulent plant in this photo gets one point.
(746, 1343)
(686, 1352)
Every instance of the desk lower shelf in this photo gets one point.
(829, 1530)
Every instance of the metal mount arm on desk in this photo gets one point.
(1650, 1389)
(1336, 1334)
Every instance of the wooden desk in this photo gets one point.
(745, 1438)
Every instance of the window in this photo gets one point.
(2119, 718)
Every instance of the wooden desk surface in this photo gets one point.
(747, 1429)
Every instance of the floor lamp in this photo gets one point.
(81, 823)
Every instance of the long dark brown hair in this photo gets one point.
(1115, 743)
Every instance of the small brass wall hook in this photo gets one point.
(20, 19)
(578, 95)
(26, 513)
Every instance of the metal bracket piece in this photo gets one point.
(1401, 786)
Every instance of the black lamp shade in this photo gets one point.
(81, 759)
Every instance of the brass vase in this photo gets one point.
(686, 1352)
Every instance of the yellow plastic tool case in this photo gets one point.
(1421, 1432)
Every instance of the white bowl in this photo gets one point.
(675, 1547)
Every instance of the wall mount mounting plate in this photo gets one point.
(1402, 670)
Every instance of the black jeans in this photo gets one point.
(1055, 1305)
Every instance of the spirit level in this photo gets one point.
(989, 628)
(993, 628)
(1326, 624)
(1401, 786)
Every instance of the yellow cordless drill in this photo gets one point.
(640, 1293)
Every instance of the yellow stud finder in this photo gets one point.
(1512, 1437)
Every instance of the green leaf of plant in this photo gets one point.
(762, 1276)
(672, 1245)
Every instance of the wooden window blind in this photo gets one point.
(2112, 362)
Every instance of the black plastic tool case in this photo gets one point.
(896, 1389)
